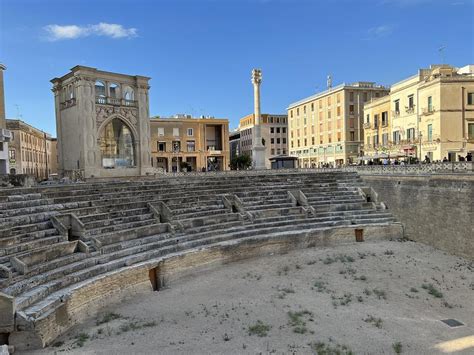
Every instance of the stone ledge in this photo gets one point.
(85, 299)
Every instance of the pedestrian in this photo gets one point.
(469, 156)
(445, 160)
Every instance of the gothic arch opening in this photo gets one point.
(117, 145)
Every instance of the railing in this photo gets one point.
(428, 110)
(367, 125)
(432, 168)
(413, 169)
(395, 113)
(103, 100)
(114, 101)
(129, 103)
(68, 103)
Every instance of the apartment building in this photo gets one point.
(378, 129)
(274, 129)
(182, 143)
(234, 144)
(431, 114)
(5, 135)
(31, 150)
(327, 128)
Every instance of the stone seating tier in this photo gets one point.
(56, 240)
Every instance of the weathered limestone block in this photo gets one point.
(7, 313)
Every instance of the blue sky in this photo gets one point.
(199, 53)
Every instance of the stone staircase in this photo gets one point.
(56, 240)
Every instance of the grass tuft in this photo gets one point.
(260, 329)
(432, 290)
(108, 317)
(397, 347)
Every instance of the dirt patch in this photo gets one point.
(372, 297)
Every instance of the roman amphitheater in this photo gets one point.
(71, 254)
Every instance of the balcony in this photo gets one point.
(410, 109)
(428, 110)
(106, 100)
(5, 135)
(385, 123)
(67, 103)
(367, 125)
(395, 113)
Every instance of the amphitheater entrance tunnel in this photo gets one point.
(156, 278)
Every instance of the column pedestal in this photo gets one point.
(258, 157)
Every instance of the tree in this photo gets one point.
(241, 162)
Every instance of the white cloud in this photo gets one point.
(112, 30)
(379, 31)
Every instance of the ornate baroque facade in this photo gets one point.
(102, 122)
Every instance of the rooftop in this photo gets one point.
(356, 85)
(14, 123)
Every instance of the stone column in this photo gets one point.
(258, 149)
(3, 123)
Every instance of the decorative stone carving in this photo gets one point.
(90, 141)
(102, 113)
(130, 114)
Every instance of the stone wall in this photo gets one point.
(18, 180)
(91, 296)
(435, 209)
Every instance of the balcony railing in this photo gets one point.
(68, 103)
(395, 113)
(367, 125)
(410, 109)
(384, 123)
(428, 110)
(103, 100)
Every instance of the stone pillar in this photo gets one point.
(3, 123)
(258, 149)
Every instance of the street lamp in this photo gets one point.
(420, 134)
(176, 153)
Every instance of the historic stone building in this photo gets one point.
(186, 143)
(31, 150)
(103, 124)
(326, 128)
(430, 114)
(274, 132)
(5, 135)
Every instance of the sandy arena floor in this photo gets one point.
(363, 298)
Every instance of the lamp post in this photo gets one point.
(176, 153)
(420, 136)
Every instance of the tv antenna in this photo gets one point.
(441, 53)
(329, 81)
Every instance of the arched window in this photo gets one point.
(64, 94)
(128, 95)
(70, 94)
(114, 91)
(100, 92)
(99, 89)
(117, 145)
